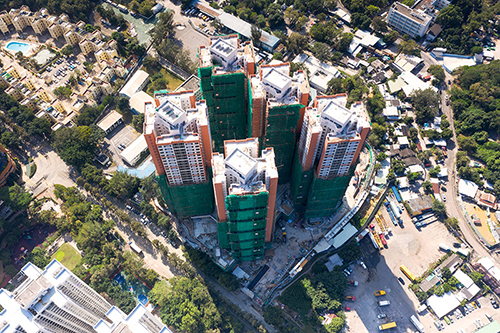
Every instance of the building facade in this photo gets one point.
(177, 132)
(7, 166)
(225, 65)
(409, 21)
(245, 196)
(278, 104)
(331, 140)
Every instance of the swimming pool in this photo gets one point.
(17, 46)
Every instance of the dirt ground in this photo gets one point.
(481, 214)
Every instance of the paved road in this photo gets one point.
(452, 206)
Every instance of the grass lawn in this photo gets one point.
(67, 256)
(172, 82)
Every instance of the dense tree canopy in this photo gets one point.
(476, 107)
(78, 145)
(461, 22)
(426, 103)
(186, 305)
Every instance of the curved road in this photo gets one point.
(452, 205)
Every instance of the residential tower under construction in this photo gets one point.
(331, 140)
(177, 132)
(245, 195)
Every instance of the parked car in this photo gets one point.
(381, 316)
(400, 279)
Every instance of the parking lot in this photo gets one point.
(378, 276)
(405, 246)
(61, 71)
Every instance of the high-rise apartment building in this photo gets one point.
(55, 300)
(223, 70)
(278, 103)
(245, 195)
(177, 132)
(331, 140)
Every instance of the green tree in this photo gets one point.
(38, 257)
(391, 37)
(297, 43)
(67, 50)
(19, 199)
(433, 172)
(10, 140)
(427, 186)
(138, 122)
(336, 324)
(450, 16)
(185, 304)
(439, 208)
(122, 184)
(321, 51)
(63, 92)
(426, 103)
(437, 71)
(90, 236)
(274, 15)
(78, 145)
(379, 25)
(467, 143)
(256, 34)
(446, 273)
(163, 28)
(381, 157)
(408, 47)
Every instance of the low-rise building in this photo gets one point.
(110, 122)
(407, 20)
(136, 83)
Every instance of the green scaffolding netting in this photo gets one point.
(244, 232)
(325, 195)
(227, 97)
(300, 183)
(280, 134)
(188, 200)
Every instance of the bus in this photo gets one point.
(135, 248)
(417, 324)
(408, 274)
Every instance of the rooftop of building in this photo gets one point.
(415, 15)
(109, 120)
(228, 48)
(240, 162)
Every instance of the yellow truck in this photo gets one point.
(384, 327)
(379, 293)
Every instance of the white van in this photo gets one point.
(383, 303)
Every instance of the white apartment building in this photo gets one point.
(332, 136)
(409, 21)
(229, 54)
(55, 300)
(178, 137)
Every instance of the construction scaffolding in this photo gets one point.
(280, 134)
(325, 195)
(300, 182)
(188, 200)
(245, 230)
(227, 97)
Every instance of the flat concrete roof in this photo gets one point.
(109, 120)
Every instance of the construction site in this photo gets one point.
(258, 170)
